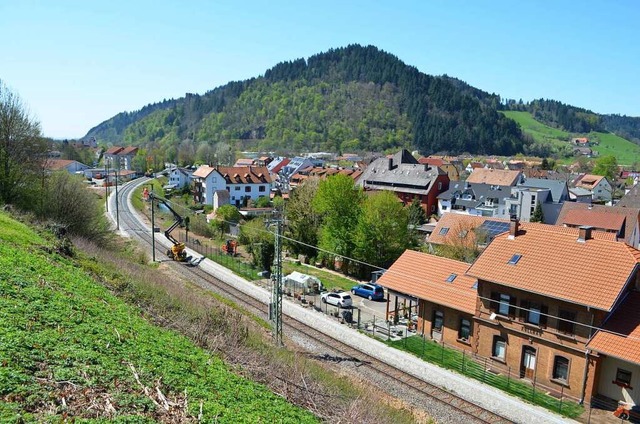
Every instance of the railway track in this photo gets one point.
(470, 412)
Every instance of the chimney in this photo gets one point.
(584, 233)
(513, 227)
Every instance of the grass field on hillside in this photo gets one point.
(70, 349)
(539, 131)
(624, 150)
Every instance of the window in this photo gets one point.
(465, 329)
(475, 286)
(444, 231)
(499, 347)
(560, 368)
(451, 277)
(433, 208)
(262, 189)
(533, 313)
(504, 304)
(247, 189)
(237, 188)
(439, 185)
(623, 377)
(565, 323)
(514, 259)
(438, 321)
(444, 208)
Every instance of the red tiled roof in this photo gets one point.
(603, 220)
(431, 161)
(457, 222)
(284, 162)
(631, 214)
(620, 335)
(245, 174)
(588, 181)
(503, 177)
(244, 162)
(113, 150)
(57, 164)
(425, 277)
(203, 171)
(557, 265)
(129, 150)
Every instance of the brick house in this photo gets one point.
(618, 349)
(407, 178)
(541, 294)
(445, 295)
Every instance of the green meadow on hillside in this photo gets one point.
(69, 349)
(608, 144)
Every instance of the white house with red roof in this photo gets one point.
(242, 183)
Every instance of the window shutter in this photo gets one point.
(495, 300)
(512, 307)
(524, 305)
(544, 310)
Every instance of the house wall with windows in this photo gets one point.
(444, 324)
(619, 380)
(535, 336)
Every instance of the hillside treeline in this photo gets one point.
(352, 98)
(577, 120)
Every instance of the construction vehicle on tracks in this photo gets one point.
(178, 251)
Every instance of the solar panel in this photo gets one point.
(493, 228)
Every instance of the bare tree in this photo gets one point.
(22, 148)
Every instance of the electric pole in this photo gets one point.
(117, 209)
(275, 307)
(153, 227)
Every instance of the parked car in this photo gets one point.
(369, 290)
(340, 299)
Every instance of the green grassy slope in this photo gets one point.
(68, 348)
(624, 150)
(539, 131)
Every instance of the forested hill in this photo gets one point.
(578, 120)
(348, 99)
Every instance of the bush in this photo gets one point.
(67, 201)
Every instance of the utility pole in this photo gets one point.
(275, 307)
(117, 209)
(153, 226)
(106, 184)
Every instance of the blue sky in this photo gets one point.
(77, 63)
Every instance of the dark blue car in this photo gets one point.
(369, 290)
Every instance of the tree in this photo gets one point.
(606, 166)
(303, 222)
(382, 231)
(538, 215)
(259, 242)
(67, 201)
(545, 164)
(225, 216)
(417, 216)
(22, 149)
(338, 201)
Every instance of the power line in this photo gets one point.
(413, 277)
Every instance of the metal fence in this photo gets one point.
(403, 335)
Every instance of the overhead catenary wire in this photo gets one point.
(412, 277)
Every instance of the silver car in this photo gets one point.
(340, 299)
